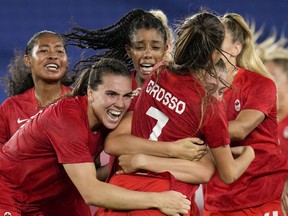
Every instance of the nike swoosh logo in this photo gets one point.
(19, 121)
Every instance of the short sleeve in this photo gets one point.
(67, 129)
(261, 96)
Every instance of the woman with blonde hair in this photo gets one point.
(251, 109)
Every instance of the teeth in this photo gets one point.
(54, 66)
(113, 112)
(147, 65)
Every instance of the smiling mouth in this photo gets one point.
(147, 68)
(52, 67)
(114, 115)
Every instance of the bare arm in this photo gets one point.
(284, 199)
(195, 172)
(121, 142)
(231, 169)
(246, 121)
(102, 194)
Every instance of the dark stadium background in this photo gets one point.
(20, 19)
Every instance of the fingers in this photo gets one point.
(196, 141)
(119, 172)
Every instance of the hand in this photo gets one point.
(189, 149)
(284, 199)
(173, 203)
(128, 163)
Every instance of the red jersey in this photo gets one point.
(168, 109)
(16, 110)
(264, 179)
(283, 135)
(31, 161)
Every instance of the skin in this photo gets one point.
(48, 63)
(161, 157)
(113, 96)
(147, 49)
(120, 142)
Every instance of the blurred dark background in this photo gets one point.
(20, 19)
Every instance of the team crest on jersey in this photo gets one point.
(285, 132)
(237, 105)
(7, 214)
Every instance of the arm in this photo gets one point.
(246, 121)
(284, 198)
(121, 142)
(231, 169)
(106, 195)
(194, 172)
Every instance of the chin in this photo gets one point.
(111, 125)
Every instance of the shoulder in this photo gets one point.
(251, 78)
(19, 100)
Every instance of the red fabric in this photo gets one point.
(16, 110)
(283, 135)
(48, 136)
(272, 208)
(9, 213)
(264, 179)
(173, 104)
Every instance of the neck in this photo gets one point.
(47, 93)
(232, 71)
(139, 80)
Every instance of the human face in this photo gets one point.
(48, 59)
(147, 49)
(110, 101)
(217, 85)
(281, 78)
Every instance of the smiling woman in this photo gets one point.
(53, 154)
(37, 78)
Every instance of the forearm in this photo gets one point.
(194, 172)
(113, 197)
(243, 161)
(129, 144)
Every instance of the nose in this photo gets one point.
(120, 102)
(52, 55)
(147, 53)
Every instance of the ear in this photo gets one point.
(27, 60)
(216, 55)
(90, 94)
(128, 50)
(237, 48)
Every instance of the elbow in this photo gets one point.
(239, 135)
(88, 199)
(207, 176)
(228, 179)
(109, 148)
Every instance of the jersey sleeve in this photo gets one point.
(3, 125)
(262, 96)
(67, 131)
